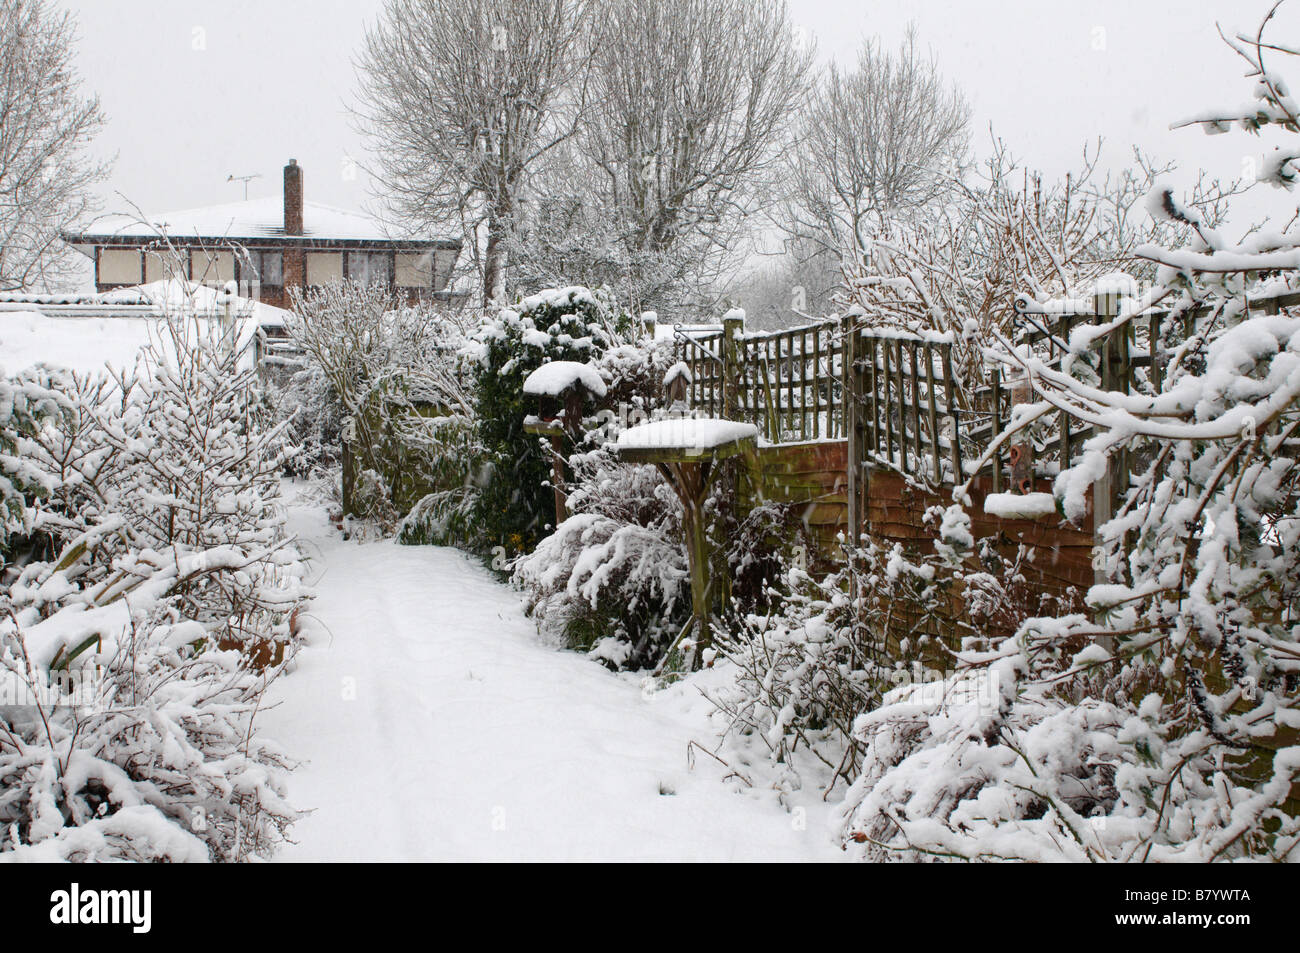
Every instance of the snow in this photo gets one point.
(1116, 283)
(102, 840)
(572, 296)
(81, 344)
(1021, 506)
(154, 298)
(436, 725)
(109, 329)
(677, 370)
(698, 432)
(87, 345)
(553, 379)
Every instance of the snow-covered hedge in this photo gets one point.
(515, 504)
(151, 595)
(828, 648)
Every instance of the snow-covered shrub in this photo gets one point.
(824, 649)
(315, 427)
(383, 371)
(157, 579)
(25, 404)
(612, 579)
(154, 760)
(971, 768)
(823, 653)
(445, 515)
(515, 503)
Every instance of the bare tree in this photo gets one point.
(1004, 232)
(461, 98)
(794, 286)
(688, 99)
(875, 141)
(46, 127)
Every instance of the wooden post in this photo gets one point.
(1067, 449)
(902, 404)
(852, 433)
(916, 412)
(933, 418)
(732, 325)
(557, 478)
(1114, 376)
(887, 391)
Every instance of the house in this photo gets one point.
(268, 246)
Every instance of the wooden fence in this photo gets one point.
(894, 398)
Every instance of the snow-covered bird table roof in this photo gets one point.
(685, 440)
(553, 379)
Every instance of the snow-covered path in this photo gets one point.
(436, 726)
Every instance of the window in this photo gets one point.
(370, 267)
(212, 268)
(161, 264)
(415, 271)
(324, 267)
(262, 266)
(119, 266)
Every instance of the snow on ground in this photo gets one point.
(437, 726)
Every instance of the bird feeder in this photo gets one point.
(686, 452)
(677, 387)
(562, 389)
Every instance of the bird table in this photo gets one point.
(686, 451)
(561, 389)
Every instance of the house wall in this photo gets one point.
(413, 275)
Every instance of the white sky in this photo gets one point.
(196, 90)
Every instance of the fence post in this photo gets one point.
(852, 433)
(1022, 451)
(1115, 374)
(733, 323)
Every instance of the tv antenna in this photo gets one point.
(245, 179)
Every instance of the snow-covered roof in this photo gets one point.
(553, 379)
(250, 221)
(90, 345)
(678, 370)
(151, 300)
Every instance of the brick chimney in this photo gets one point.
(293, 198)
